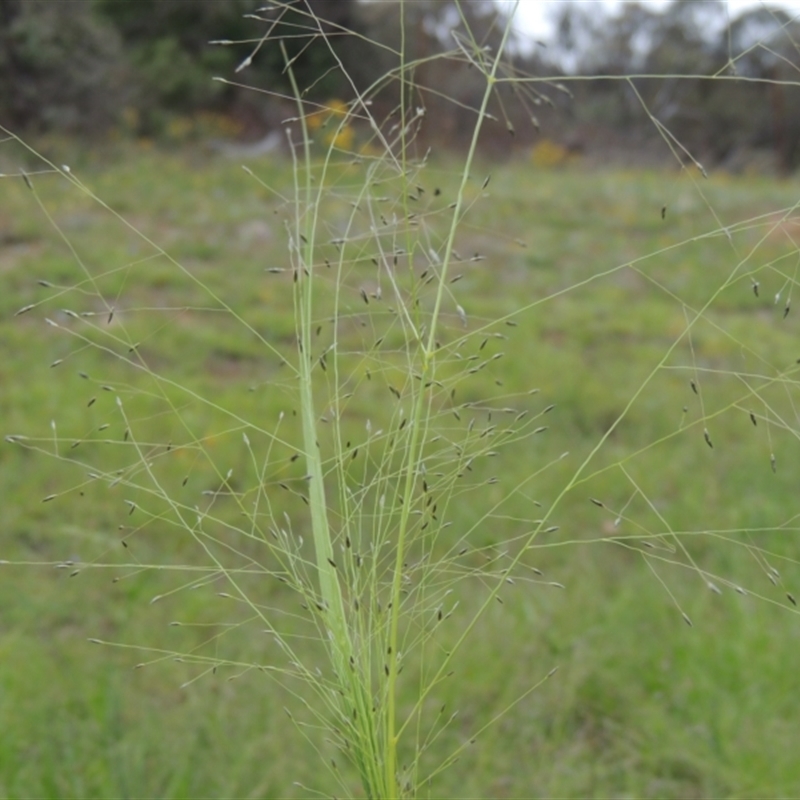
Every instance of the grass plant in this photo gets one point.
(391, 454)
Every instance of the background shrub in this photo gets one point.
(61, 67)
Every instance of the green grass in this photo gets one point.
(584, 266)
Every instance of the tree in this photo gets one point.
(169, 49)
(762, 44)
(60, 67)
(444, 39)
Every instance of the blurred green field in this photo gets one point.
(599, 272)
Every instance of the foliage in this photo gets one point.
(174, 63)
(77, 66)
(60, 67)
(683, 62)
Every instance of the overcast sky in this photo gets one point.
(532, 15)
